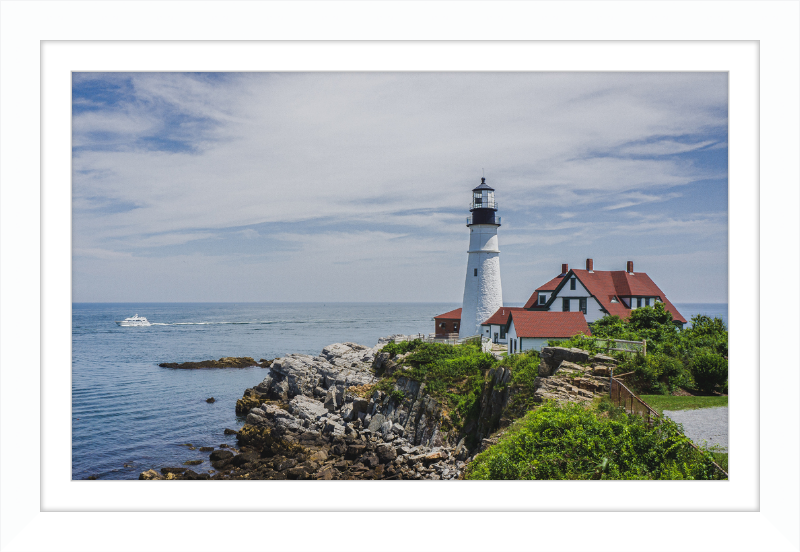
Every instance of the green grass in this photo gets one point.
(669, 402)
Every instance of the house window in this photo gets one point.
(542, 299)
(646, 301)
(582, 305)
(565, 304)
(476, 272)
(572, 283)
(639, 302)
(502, 332)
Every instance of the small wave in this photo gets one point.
(212, 323)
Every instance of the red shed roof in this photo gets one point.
(500, 317)
(451, 315)
(549, 324)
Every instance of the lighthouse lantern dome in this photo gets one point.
(483, 197)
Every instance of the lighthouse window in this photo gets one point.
(476, 272)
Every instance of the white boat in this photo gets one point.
(134, 320)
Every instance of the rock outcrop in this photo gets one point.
(224, 362)
(324, 417)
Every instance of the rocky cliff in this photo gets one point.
(332, 417)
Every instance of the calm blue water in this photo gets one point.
(126, 409)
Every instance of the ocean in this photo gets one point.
(130, 415)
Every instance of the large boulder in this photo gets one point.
(552, 357)
(306, 408)
(220, 458)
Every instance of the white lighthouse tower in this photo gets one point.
(483, 294)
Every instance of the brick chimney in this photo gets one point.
(590, 265)
(630, 267)
(564, 269)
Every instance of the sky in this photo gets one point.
(356, 186)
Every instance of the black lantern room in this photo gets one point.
(483, 206)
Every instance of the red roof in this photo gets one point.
(500, 317)
(451, 315)
(549, 324)
(604, 285)
(549, 286)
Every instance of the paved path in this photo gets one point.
(704, 425)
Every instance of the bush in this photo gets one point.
(453, 375)
(524, 367)
(656, 374)
(570, 442)
(709, 370)
(401, 348)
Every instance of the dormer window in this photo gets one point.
(542, 299)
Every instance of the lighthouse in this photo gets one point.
(483, 294)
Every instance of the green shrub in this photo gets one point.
(453, 374)
(401, 348)
(655, 374)
(570, 442)
(524, 367)
(709, 370)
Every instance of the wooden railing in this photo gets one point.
(625, 398)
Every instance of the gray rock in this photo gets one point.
(334, 399)
(386, 452)
(256, 417)
(553, 356)
(603, 359)
(306, 408)
(332, 428)
(265, 385)
(347, 412)
(376, 422)
(360, 405)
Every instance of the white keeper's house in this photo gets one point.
(565, 305)
(596, 293)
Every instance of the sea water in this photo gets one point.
(130, 415)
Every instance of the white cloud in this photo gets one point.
(663, 147)
(394, 154)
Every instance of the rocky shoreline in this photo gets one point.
(224, 362)
(322, 417)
